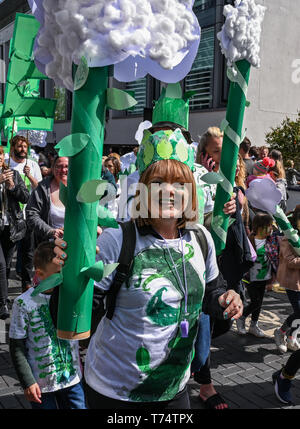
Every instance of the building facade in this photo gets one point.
(274, 89)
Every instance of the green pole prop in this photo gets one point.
(230, 149)
(287, 229)
(76, 291)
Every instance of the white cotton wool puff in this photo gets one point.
(108, 31)
(241, 32)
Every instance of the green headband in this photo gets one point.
(164, 144)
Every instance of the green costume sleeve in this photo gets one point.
(17, 350)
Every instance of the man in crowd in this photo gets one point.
(31, 174)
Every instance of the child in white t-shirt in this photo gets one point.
(48, 368)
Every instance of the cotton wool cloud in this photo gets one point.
(163, 33)
(241, 32)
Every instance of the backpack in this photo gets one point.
(99, 309)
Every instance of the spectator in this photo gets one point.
(288, 275)
(263, 152)
(128, 160)
(277, 173)
(45, 212)
(244, 151)
(12, 224)
(48, 368)
(254, 153)
(31, 174)
(292, 176)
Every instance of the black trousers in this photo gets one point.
(293, 364)
(256, 292)
(7, 249)
(97, 401)
(27, 250)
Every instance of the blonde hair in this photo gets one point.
(210, 132)
(240, 181)
(278, 170)
(170, 170)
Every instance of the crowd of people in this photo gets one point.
(177, 294)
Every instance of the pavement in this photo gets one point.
(241, 366)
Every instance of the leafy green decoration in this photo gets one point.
(91, 191)
(72, 144)
(81, 74)
(119, 100)
(49, 283)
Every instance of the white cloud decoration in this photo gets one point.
(159, 37)
(263, 194)
(241, 32)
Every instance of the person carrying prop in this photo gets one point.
(288, 276)
(150, 337)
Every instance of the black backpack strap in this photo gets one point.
(123, 269)
(201, 238)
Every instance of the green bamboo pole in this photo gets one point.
(76, 292)
(230, 149)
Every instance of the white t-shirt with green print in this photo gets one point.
(48, 356)
(261, 269)
(139, 354)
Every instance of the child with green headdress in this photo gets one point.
(142, 355)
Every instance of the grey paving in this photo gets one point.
(241, 366)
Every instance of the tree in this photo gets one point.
(286, 138)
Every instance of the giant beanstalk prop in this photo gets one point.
(239, 39)
(137, 37)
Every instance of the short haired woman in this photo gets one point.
(142, 356)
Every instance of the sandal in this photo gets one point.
(212, 402)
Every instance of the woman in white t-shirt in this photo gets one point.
(142, 356)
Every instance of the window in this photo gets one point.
(64, 104)
(61, 106)
(200, 78)
(203, 4)
(138, 89)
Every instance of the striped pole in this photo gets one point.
(286, 227)
(232, 127)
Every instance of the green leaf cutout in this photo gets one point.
(119, 100)
(81, 74)
(73, 144)
(49, 283)
(174, 90)
(91, 191)
(189, 94)
(109, 268)
(212, 178)
(98, 271)
(106, 218)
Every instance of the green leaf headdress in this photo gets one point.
(171, 109)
